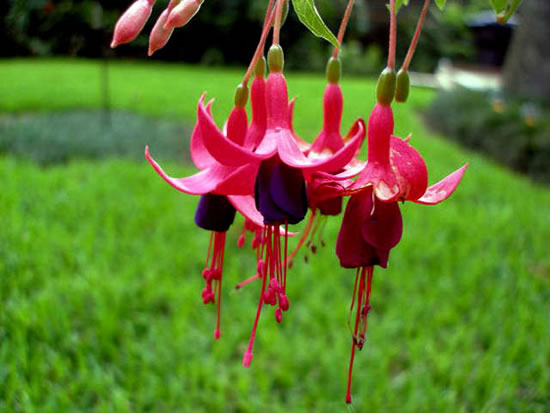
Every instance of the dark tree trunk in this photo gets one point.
(527, 68)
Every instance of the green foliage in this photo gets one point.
(100, 278)
(513, 132)
(56, 137)
(310, 17)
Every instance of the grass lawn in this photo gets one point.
(100, 277)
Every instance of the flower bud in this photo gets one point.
(241, 96)
(275, 58)
(402, 86)
(385, 88)
(159, 35)
(259, 71)
(131, 23)
(333, 70)
(182, 13)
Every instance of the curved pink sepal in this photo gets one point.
(410, 169)
(221, 148)
(246, 205)
(333, 163)
(217, 179)
(199, 155)
(443, 189)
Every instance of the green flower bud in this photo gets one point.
(402, 87)
(275, 58)
(333, 70)
(241, 96)
(385, 88)
(259, 70)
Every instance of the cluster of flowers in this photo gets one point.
(268, 174)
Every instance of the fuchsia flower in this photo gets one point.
(328, 142)
(223, 190)
(132, 21)
(372, 223)
(280, 191)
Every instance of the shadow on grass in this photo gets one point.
(57, 137)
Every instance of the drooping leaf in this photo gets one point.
(498, 5)
(441, 4)
(310, 17)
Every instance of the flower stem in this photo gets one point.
(393, 35)
(343, 26)
(414, 41)
(277, 24)
(268, 21)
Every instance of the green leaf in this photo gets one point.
(441, 4)
(498, 5)
(310, 17)
(399, 3)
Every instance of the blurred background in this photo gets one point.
(100, 260)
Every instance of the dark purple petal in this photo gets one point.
(214, 213)
(280, 192)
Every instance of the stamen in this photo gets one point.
(304, 237)
(247, 358)
(361, 316)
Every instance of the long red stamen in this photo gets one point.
(303, 239)
(361, 315)
(221, 249)
(247, 358)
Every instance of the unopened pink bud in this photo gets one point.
(182, 13)
(159, 35)
(131, 23)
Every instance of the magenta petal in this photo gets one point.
(246, 205)
(333, 163)
(384, 226)
(222, 149)
(235, 181)
(198, 184)
(199, 155)
(218, 179)
(410, 169)
(351, 247)
(443, 189)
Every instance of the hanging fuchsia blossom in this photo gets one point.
(223, 189)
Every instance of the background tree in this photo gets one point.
(527, 67)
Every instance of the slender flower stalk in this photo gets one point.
(343, 26)
(414, 41)
(393, 36)
(270, 14)
(278, 19)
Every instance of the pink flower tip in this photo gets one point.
(132, 21)
(217, 334)
(182, 13)
(247, 359)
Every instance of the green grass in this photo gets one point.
(100, 279)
